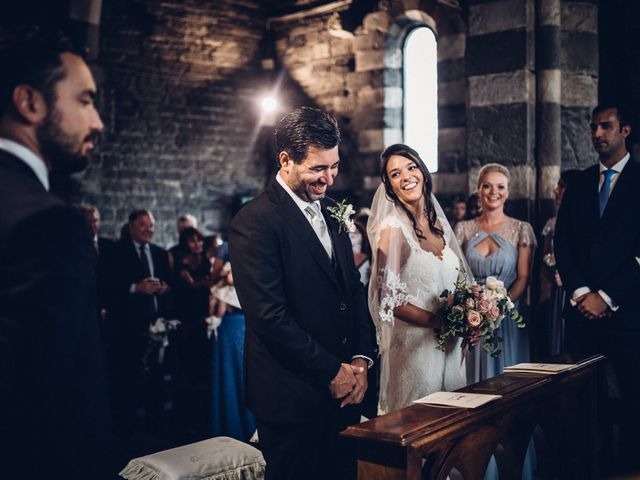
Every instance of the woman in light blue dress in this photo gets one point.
(500, 246)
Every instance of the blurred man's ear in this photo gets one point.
(29, 103)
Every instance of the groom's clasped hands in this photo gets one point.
(350, 383)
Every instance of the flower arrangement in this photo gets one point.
(342, 213)
(476, 311)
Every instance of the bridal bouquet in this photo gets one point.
(476, 311)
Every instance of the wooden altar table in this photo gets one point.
(560, 411)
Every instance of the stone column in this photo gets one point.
(548, 98)
(501, 95)
(579, 63)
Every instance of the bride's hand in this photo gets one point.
(475, 338)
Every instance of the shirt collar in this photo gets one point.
(138, 245)
(27, 156)
(302, 204)
(619, 165)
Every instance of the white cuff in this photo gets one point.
(369, 361)
(577, 294)
(608, 301)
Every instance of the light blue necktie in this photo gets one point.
(606, 189)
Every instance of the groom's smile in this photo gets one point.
(310, 178)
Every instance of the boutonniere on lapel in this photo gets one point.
(342, 214)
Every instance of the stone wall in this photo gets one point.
(178, 85)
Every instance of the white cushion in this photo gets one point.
(219, 458)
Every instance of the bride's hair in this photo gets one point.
(411, 154)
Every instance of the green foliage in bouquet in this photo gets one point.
(476, 311)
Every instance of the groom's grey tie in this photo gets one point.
(606, 189)
(319, 225)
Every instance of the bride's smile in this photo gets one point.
(406, 179)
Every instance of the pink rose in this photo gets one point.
(484, 306)
(470, 303)
(494, 313)
(474, 319)
(475, 289)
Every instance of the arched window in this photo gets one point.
(420, 87)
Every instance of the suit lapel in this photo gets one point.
(338, 252)
(622, 191)
(293, 216)
(592, 204)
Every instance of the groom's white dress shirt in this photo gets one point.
(305, 206)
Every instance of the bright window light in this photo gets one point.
(269, 104)
(421, 95)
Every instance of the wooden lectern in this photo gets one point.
(427, 442)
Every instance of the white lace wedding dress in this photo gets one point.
(412, 367)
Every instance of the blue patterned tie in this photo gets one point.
(606, 189)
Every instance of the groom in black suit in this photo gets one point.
(597, 247)
(53, 405)
(308, 342)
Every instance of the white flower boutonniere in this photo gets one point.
(342, 213)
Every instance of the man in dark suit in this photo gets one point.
(103, 247)
(597, 245)
(137, 292)
(53, 404)
(308, 340)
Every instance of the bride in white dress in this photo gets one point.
(415, 258)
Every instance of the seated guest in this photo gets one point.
(138, 294)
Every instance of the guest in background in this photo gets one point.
(458, 211)
(230, 415)
(473, 206)
(193, 282)
(103, 247)
(597, 247)
(500, 246)
(184, 221)
(362, 216)
(361, 251)
(138, 293)
(553, 311)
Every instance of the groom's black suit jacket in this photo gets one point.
(304, 315)
(53, 405)
(599, 253)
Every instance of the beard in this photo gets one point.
(62, 150)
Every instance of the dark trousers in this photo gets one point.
(622, 348)
(312, 451)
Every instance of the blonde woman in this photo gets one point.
(500, 246)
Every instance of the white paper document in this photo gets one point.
(548, 368)
(457, 399)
